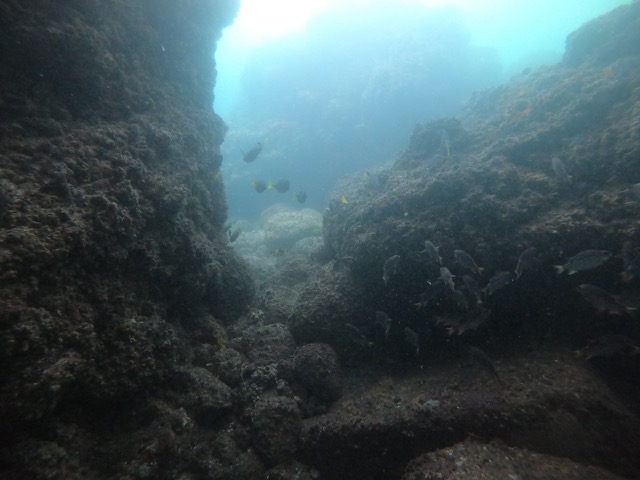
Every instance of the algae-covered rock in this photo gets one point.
(283, 229)
(317, 367)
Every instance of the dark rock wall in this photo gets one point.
(114, 261)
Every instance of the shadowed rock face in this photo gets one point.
(114, 263)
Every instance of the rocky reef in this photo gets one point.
(133, 345)
(115, 265)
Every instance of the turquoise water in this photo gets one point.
(340, 89)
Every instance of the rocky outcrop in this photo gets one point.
(114, 263)
(128, 350)
(488, 184)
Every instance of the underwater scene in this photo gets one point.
(395, 240)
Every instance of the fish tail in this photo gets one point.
(559, 269)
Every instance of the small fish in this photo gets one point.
(471, 285)
(234, 236)
(259, 185)
(411, 337)
(498, 281)
(585, 260)
(384, 321)
(525, 261)
(469, 321)
(431, 251)
(600, 299)
(357, 337)
(608, 346)
(560, 170)
(465, 261)
(217, 175)
(301, 197)
(435, 290)
(335, 204)
(371, 180)
(480, 358)
(342, 264)
(631, 259)
(460, 299)
(447, 278)
(281, 186)
(629, 299)
(253, 153)
(445, 145)
(390, 267)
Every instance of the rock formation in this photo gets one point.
(133, 347)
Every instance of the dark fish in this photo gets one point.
(445, 145)
(600, 299)
(629, 299)
(234, 236)
(480, 358)
(469, 321)
(301, 197)
(371, 180)
(335, 204)
(498, 281)
(560, 170)
(460, 299)
(431, 251)
(411, 338)
(281, 186)
(526, 261)
(472, 287)
(356, 336)
(609, 346)
(631, 259)
(341, 264)
(585, 260)
(252, 154)
(447, 278)
(435, 289)
(390, 267)
(259, 185)
(384, 321)
(465, 261)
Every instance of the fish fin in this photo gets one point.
(559, 269)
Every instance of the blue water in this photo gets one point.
(345, 94)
